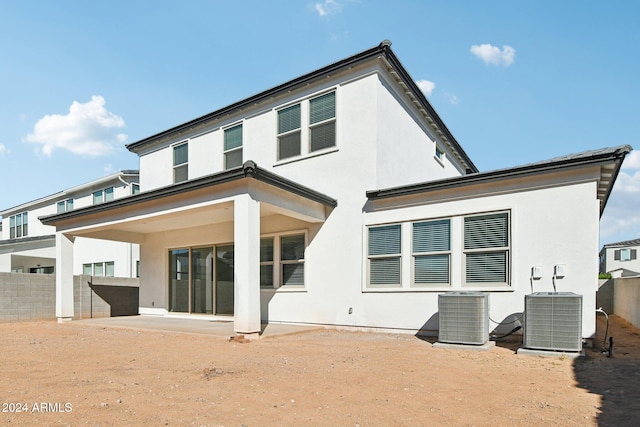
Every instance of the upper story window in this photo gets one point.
(135, 188)
(289, 132)
(233, 147)
(65, 205)
(102, 196)
(321, 133)
(19, 225)
(322, 121)
(626, 254)
(180, 163)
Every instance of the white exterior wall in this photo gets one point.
(405, 146)
(376, 142)
(379, 145)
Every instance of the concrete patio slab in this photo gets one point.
(195, 325)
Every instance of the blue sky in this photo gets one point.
(515, 81)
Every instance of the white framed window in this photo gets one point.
(65, 205)
(289, 132)
(135, 188)
(180, 162)
(102, 196)
(233, 147)
(267, 262)
(384, 255)
(431, 252)
(320, 114)
(19, 225)
(626, 254)
(292, 260)
(487, 249)
(456, 252)
(322, 121)
(282, 260)
(99, 269)
(87, 269)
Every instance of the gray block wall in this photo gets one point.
(33, 297)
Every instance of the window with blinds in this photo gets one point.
(180, 163)
(266, 262)
(292, 260)
(384, 255)
(19, 225)
(486, 248)
(233, 147)
(289, 132)
(322, 121)
(431, 243)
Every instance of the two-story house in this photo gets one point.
(341, 198)
(620, 259)
(29, 246)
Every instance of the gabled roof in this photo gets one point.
(382, 51)
(609, 159)
(634, 242)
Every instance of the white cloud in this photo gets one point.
(494, 55)
(3, 149)
(327, 7)
(426, 86)
(453, 100)
(621, 219)
(632, 161)
(88, 129)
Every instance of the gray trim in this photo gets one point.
(593, 157)
(248, 170)
(383, 48)
(634, 242)
(27, 240)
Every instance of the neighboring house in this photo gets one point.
(341, 198)
(29, 246)
(621, 258)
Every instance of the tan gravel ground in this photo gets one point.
(80, 374)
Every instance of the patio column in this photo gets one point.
(246, 232)
(64, 277)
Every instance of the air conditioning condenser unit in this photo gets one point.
(553, 321)
(463, 318)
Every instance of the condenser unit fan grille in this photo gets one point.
(463, 318)
(553, 321)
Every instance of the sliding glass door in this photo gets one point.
(224, 279)
(201, 280)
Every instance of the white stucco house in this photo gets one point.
(341, 198)
(620, 259)
(29, 246)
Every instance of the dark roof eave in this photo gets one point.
(397, 65)
(290, 85)
(617, 155)
(248, 170)
(32, 239)
(383, 48)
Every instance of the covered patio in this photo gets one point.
(232, 207)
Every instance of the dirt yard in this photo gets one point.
(80, 374)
